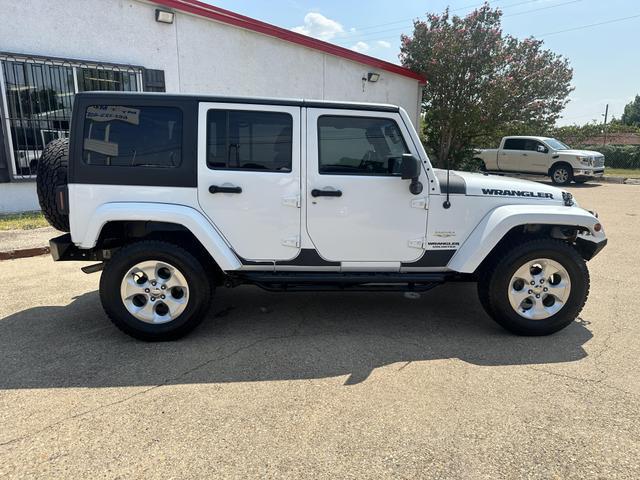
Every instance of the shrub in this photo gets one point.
(619, 156)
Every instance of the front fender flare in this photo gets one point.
(189, 217)
(499, 221)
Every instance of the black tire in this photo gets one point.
(478, 165)
(51, 174)
(493, 286)
(561, 174)
(200, 290)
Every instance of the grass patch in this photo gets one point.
(22, 221)
(622, 172)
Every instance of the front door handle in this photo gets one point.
(224, 189)
(326, 193)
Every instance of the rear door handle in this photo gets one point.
(224, 189)
(326, 193)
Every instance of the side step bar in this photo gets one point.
(315, 281)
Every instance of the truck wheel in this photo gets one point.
(537, 288)
(155, 291)
(562, 174)
(478, 165)
(51, 174)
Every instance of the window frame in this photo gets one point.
(184, 175)
(228, 111)
(368, 117)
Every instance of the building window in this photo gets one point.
(249, 140)
(39, 99)
(92, 79)
(131, 136)
(359, 146)
(39, 95)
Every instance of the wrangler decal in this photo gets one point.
(515, 193)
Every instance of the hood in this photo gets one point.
(582, 153)
(483, 185)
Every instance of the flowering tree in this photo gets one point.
(479, 80)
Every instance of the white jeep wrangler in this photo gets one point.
(175, 195)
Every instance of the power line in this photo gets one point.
(370, 36)
(573, 29)
(368, 27)
(588, 26)
(541, 8)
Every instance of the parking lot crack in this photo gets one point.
(168, 381)
(583, 380)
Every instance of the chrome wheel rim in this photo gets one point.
(154, 292)
(539, 289)
(561, 175)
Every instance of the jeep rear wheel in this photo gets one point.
(154, 290)
(537, 288)
(562, 174)
(51, 174)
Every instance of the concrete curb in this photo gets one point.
(24, 253)
(625, 180)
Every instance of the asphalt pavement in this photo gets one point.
(325, 385)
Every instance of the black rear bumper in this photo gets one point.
(63, 249)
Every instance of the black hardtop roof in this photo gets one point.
(295, 102)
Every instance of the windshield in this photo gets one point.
(556, 144)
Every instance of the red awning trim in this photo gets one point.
(225, 16)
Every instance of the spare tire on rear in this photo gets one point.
(51, 174)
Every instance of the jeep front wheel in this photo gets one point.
(154, 291)
(537, 288)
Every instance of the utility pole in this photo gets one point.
(606, 115)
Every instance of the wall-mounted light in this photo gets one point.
(163, 16)
(373, 77)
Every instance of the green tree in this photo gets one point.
(631, 115)
(480, 80)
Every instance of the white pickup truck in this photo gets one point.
(542, 156)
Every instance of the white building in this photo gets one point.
(50, 50)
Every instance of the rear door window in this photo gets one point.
(249, 140)
(132, 136)
(514, 144)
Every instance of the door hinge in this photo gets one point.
(292, 201)
(418, 243)
(420, 203)
(292, 242)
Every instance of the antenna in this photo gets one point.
(447, 203)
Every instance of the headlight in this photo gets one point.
(584, 160)
(567, 199)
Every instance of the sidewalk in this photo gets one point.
(25, 243)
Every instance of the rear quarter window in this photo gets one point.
(132, 136)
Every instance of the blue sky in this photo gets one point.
(605, 58)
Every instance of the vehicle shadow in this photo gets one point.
(251, 335)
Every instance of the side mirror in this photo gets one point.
(410, 167)
(410, 170)
(542, 149)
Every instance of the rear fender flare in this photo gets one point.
(497, 223)
(189, 217)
